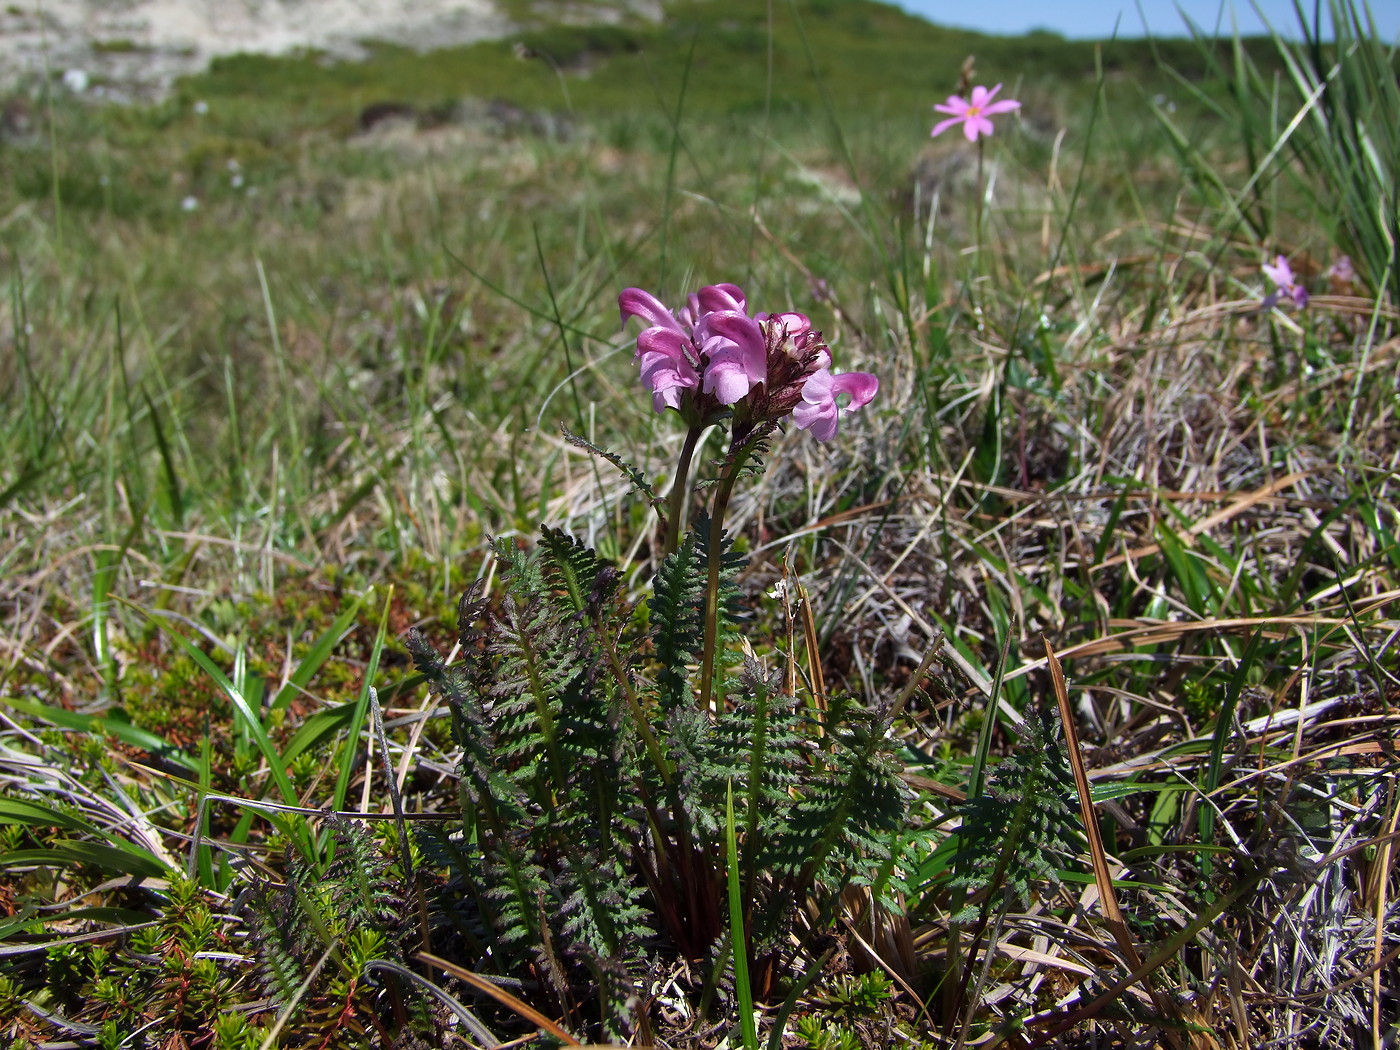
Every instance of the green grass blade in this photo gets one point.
(316, 656)
(319, 727)
(112, 723)
(360, 714)
(172, 491)
(1224, 724)
(978, 774)
(204, 856)
(737, 941)
(66, 853)
(36, 814)
(252, 724)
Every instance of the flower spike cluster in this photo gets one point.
(973, 115)
(710, 357)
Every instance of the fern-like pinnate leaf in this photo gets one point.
(677, 619)
(854, 803)
(319, 910)
(574, 568)
(594, 785)
(538, 711)
(635, 477)
(1024, 827)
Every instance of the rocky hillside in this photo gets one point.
(136, 48)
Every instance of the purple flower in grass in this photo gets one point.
(973, 115)
(710, 345)
(710, 357)
(713, 298)
(666, 368)
(799, 381)
(1285, 286)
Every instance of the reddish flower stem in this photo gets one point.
(678, 502)
(712, 697)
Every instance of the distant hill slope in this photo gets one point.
(721, 56)
(135, 48)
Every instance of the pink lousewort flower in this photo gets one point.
(1285, 286)
(710, 356)
(735, 353)
(677, 349)
(819, 410)
(973, 115)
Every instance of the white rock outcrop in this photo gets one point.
(137, 47)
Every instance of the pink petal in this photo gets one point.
(1006, 105)
(821, 420)
(690, 313)
(974, 126)
(664, 397)
(861, 386)
(660, 372)
(728, 380)
(793, 324)
(981, 96)
(944, 125)
(656, 340)
(736, 353)
(955, 105)
(817, 389)
(736, 327)
(667, 380)
(1280, 272)
(817, 410)
(634, 302)
(722, 297)
(730, 372)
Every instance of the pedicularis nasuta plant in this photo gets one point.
(600, 739)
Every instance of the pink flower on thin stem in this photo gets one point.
(1285, 286)
(973, 115)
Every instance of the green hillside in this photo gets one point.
(858, 56)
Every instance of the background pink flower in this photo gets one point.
(973, 115)
(1285, 284)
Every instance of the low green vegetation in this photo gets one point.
(347, 700)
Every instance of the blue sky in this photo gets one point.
(1096, 18)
